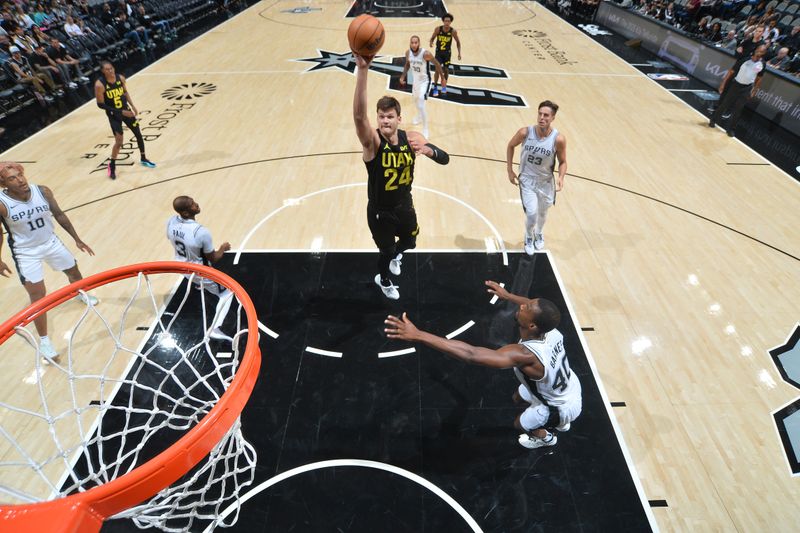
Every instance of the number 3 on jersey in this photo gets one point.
(180, 248)
(562, 376)
(391, 175)
(534, 160)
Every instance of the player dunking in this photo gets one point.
(547, 384)
(192, 244)
(542, 144)
(389, 154)
(418, 59)
(444, 36)
(27, 212)
(112, 95)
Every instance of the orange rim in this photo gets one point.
(85, 511)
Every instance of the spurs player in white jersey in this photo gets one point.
(417, 60)
(27, 212)
(551, 390)
(541, 145)
(192, 244)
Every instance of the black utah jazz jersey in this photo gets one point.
(444, 40)
(391, 172)
(114, 94)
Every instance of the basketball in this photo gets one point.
(365, 35)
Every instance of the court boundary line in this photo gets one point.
(606, 402)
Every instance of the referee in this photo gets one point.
(743, 86)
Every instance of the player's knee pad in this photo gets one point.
(534, 417)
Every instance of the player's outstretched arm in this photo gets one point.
(405, 69)
(365, 133)
(506, 357)
(63, 220)
(420, 145)
(4, 270)
(216, 255)
(503, 294)
(561, 154)
(515, 141)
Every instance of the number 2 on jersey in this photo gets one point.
(391, 175)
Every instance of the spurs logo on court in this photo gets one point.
(189, 91)
(787, 418)
(473, 96)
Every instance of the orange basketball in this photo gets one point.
(366, 35)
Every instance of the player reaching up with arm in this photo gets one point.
(546, 381)
(389, 154)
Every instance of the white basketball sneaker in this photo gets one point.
(394, 264)
(538, 242)
(390, 291)
(531, 442)
(47, 350)
(529, 248)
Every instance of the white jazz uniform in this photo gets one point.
(191, 240)
(559, 389)
(421, 83)
(31, 236)
(536, 182)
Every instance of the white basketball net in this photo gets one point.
(95, 415)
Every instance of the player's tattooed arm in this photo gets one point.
(63, 220)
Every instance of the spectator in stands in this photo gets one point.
(693, 9)
(72, 29)
(749, 22)
(40, 17)
(42, 63)
(8, 22)
(669, 14)
(792, 41)
(4, 55)
(21, 40)
(729, 41)
(107, 15)
(135, 33)
(39, 36)
(156, 25)
(748, 44)
(772, 32)
(781, 60)
(715, 33)
(759, 10)
(65, 62)
(23, 18)
(23, 74)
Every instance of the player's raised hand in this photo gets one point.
(403, 329)
(225, 246)
(362, 61)
(4, 270)
(417, 143)
(512, 177)
(496, 289)
(82, 246)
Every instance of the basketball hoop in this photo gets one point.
(193, 400)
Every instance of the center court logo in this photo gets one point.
(189, 91)
(471, 96)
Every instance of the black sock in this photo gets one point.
(113, 164)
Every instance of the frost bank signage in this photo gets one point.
(778, 98)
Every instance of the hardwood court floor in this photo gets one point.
(685, 265)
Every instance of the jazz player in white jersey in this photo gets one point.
(417, 60)
(547, 384)
(27, 212)
(192, 244)
(542, 144)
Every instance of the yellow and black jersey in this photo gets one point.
(391, 173)
(444, 40)
(114, 94)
